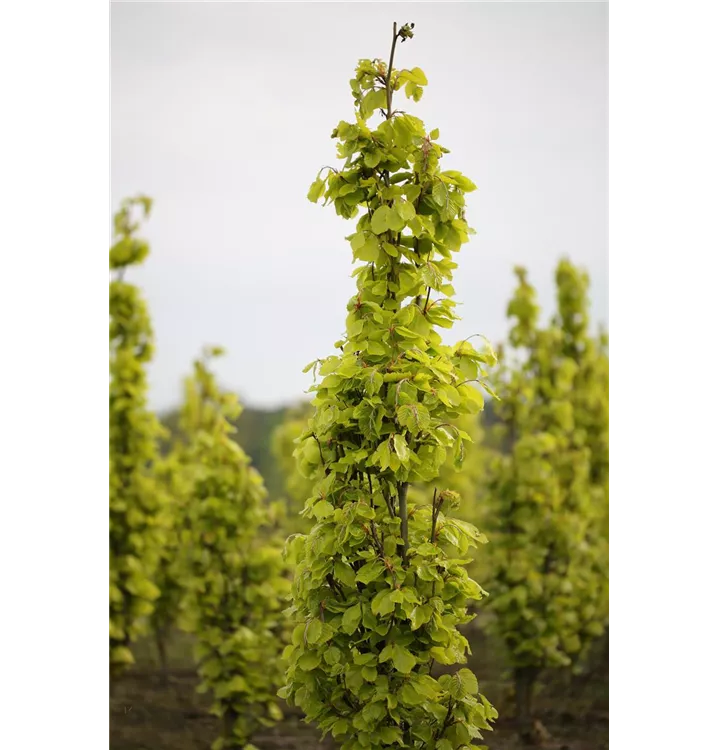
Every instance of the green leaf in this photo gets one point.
(369, 673)
(401, 448)
(468, 681)
(309, 661)
(382, 604)
(403, 659)
(369, 250)
(351, 619)
(322, 509)
(396, 223)
(383, 454)
(415, 417)
(405, 210)
(419, 76)
(314, 631)
(380, 219)
(370, 572)
(357, 240)
(391, 735)
(316, 191)
(409, 696)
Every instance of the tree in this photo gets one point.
(380, 585)
(135, 533)
(465, 479)
(235, 587)
(296, 486)
(548, 486)
(173, 477)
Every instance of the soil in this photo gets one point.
(155, 710)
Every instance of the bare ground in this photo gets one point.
(150, 710)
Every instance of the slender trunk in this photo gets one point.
(160, 641)
(229, 720)
(524, 681)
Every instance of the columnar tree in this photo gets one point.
(589, 394)
(380, 584)
(548, 555)
(134, 501)
(235, 587)
(297, 487)
(174, 482)
(286, 447)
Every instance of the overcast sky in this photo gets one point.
(223, 114)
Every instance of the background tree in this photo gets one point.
(134, 501)
(235, 587)
(173, 477)
(297, 487)
(548, 554)
(380, 584)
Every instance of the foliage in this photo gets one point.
(297, 487)
(135, 533)
(254, 431)
(173, 481)
(235, 588)
(380, 584)
(548, 485)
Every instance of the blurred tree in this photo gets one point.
(547, 481)
(297, 487)
(235, 582)
(254, 432)
(135, 532)
(173, 476)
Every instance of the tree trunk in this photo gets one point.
(160, 640)
(524, 681)
(229, 719)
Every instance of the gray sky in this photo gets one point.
(223, 113)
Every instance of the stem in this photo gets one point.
(434, 517)
(229, 720)
(404, 515)
(161, 651)
(524, 680)
(428, 292)
(319, 445)
(389, 92)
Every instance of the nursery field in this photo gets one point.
(152, 710)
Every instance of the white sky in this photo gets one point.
(223, 113)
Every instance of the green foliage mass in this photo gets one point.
(297, 487)
(549, 481)
(135, 506)
(234, 573)
(380, 583)
(174, 480)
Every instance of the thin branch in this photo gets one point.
(428, 292)
(395, 36)
(404, 515)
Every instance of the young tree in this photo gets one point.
(235, 587)
(380, 584)
(171, 472)
(296, 486)
(286, 447)
(134, 501)
(548, 553)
